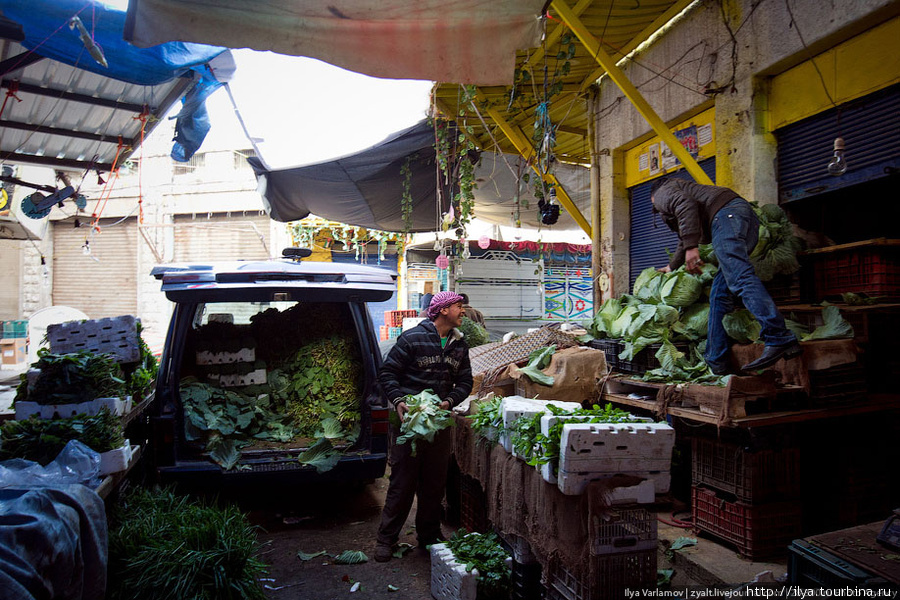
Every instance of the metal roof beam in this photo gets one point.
(83, 135)
(71, 163)
(526, 150)
(75, 97)
(640, 38)
(631, 92)
(19, 61)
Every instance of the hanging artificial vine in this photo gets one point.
(457, 157)
(406, 199)
(306, 233)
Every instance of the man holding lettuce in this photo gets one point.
(701, 214)
(430, 356)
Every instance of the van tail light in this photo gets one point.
(380, 421)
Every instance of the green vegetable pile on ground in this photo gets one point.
(484, 552)
(164, 546)
(473, 333)
(424, 419)
(73, 378)
(41, 440)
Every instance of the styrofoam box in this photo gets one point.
(515, 407)
(548, 471)
(610, 447)
(449, 579)
(575, 483)
(206, 357)
(239, 380)
(117, 459)
(117, 406)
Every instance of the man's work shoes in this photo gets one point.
(383, 553)
(772, 354)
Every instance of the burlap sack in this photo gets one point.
(576, 375)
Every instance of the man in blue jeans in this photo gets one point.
(703, 213)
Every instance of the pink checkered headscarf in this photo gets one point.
(441, 301)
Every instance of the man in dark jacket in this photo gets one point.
(431, 355)
(701, 214)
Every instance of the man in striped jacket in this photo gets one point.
(431, 355)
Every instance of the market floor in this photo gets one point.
(336, 520)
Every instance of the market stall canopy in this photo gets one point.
(64, 108)
(471, 41)
(365, 189)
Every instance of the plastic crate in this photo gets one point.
(811, 566)
(383, 332)
(843, 384)
(525, 582)
(872, 268)
(611, 349)
(756, 530)
(117, 336)
(786, 289)
(610, 575)
(753, 477)
(473, 515)
(394, 318)
(645, 360)
(625, 530)
(394, 332)
(15, 329)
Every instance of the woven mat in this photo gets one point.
(490, 360)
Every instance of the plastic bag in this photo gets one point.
(76, 463)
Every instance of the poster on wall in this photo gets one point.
(690, 139)
(654, 159)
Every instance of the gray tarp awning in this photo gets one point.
(365, 189)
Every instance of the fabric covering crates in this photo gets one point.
(589, 451)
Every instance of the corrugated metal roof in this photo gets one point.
(69, 118)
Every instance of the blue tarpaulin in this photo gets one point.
(46, 24)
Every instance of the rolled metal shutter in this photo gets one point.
(870, 127)
(223, 237)
(10, 276)
(104, 282)
(651, 238)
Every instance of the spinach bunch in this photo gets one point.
(41, 440)
(484, 552)
(73, 378)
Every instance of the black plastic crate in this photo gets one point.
(526, 581)
(811, 566)
(611, 349)
(473, 515)
(610, 575)
(645, 360)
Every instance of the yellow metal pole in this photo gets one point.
(593, 46)
(515, 135)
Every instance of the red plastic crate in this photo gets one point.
(394, 318)
(756, 530)
(872, 268)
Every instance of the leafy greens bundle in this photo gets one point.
(424, 419)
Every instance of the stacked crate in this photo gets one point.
(394, 318)
(750, 499)
(640, 363)
(623, 555)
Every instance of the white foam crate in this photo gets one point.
(117, 406)
(117, 336)
(575, 483)
(548, 471)
(117, 459)
(207, 357)
(256, 377)
(515, 407)
(606, 447)
(449, 579)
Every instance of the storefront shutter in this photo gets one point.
(220, 237)
(870, 127)
(651, 239)
(102, 283)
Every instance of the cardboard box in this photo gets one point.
(13, 351)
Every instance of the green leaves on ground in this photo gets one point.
(304, 556)
(424, 419)
(351, 557)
